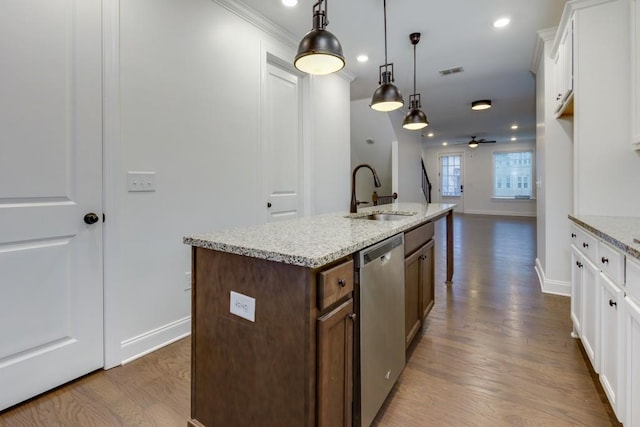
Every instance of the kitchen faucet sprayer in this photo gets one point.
(376, 182)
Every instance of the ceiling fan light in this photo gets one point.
(473, 144)
(415, 120)
(387, 97)
(483, 104)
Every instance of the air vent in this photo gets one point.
(453, 70)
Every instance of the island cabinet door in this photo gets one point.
(427, 289)
(412, 284)
(335, 366)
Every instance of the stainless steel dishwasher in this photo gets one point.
(381, 349)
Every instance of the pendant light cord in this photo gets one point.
(414, 69)
(385, 34)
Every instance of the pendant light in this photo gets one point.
(415, 118)
(319, 51)
(387, 97)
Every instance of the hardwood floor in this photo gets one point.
(495, 351)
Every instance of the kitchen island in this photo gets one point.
(273, 315)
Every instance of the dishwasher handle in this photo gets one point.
(381, 250)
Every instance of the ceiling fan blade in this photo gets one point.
(482, 141)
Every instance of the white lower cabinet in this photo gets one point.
(576, 291)
(632, 341)
(584, 304)
(632, 374)
(612, 342)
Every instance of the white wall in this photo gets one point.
(478, 185)
(190, 111)
(554, 177)
(409, 168)
(367, 123)
(607, 169)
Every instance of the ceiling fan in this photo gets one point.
(474, 143)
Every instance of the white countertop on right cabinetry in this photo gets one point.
(617, 231)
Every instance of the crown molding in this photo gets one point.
(569, 9)
(262, 22)
(548, 34)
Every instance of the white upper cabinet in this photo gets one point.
(563, 71)
(635, 74)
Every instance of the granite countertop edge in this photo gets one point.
(608, 234)
(271, 242)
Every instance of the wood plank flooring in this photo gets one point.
(495, 351)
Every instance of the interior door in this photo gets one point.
(281, 151)
(451, 179)
(51, 322)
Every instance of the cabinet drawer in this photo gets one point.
(633, 280)
(416, 237)
(611, 262)
(334, 284)
(586, 243)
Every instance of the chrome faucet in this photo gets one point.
(376, 181)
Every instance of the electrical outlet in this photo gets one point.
(242, 306)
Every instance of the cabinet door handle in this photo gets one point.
(573, 235)
(585, 245)
(342, 283)
(353, 316)
(612, 303)
(604, 260)
(579, 264)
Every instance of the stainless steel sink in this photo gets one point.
(384, 217)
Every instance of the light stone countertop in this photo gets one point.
(617, 231)
(320, 239)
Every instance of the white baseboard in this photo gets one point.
(548, 286)
(145, 343)
(505, 213)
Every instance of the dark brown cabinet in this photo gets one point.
(419, 278)
(292, 365)
(335, 366)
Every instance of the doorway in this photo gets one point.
(451, 179)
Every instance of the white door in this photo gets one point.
(281, 144)
(51, 321)
(451, 179)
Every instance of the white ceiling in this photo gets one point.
(455, 33)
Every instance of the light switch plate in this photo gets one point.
(242, 306)
(141, 181)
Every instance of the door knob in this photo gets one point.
(91, 218)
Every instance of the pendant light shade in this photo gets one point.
(319, 51)
(415, 118)
(387, 97)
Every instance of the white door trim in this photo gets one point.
(112, 165)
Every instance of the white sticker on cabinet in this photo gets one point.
(242, 306)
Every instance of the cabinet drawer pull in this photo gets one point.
(585, 245)
(605, 260)
(573, 235)
(579, 264)
(613, 303)
(353, 316)
(342, 283)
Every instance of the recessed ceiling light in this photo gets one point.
(362, 58)
(513, 138)
(482, 104)
(514, 127)
(445, 143)
(290, 3)
(501, 22)
(430, 134)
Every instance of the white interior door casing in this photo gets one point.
(51, 321)
(281, 145)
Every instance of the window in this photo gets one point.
(450, 179)
(512, 172)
